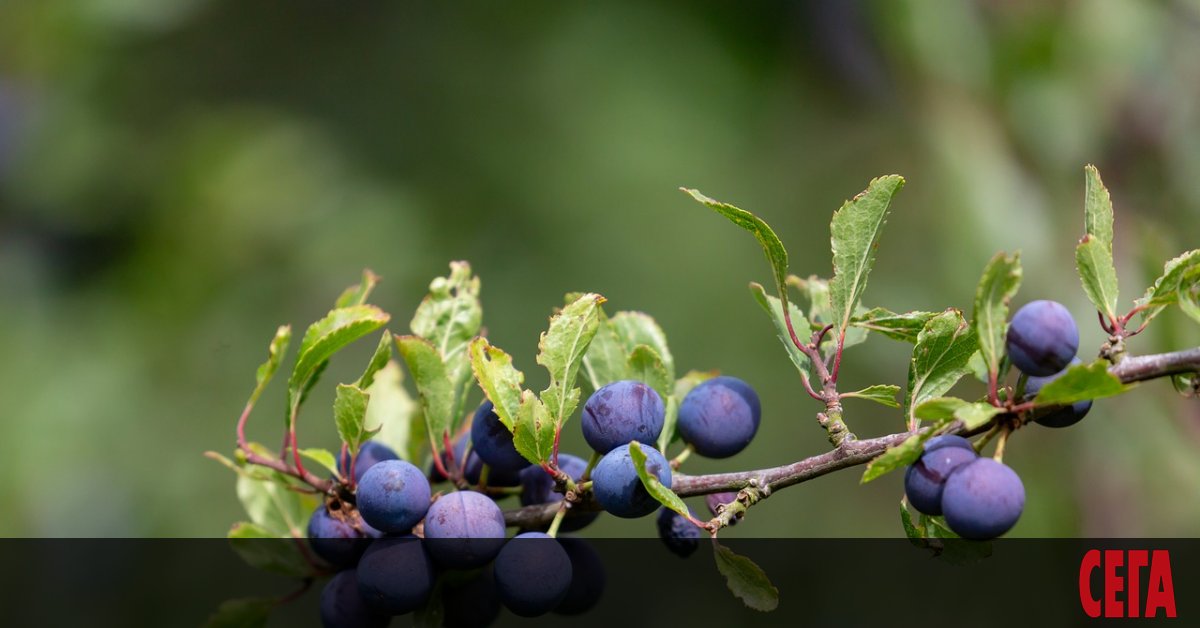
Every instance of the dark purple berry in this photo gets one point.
(719, 417)
(621, 412)
(983, 499)
(1042, 338)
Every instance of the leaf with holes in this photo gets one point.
(854, 234)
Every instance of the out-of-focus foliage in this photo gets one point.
(179, 178)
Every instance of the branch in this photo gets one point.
(850, 453)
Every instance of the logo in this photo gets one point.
(1132, 583)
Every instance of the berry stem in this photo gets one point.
(558, 519)
(682, 457)
(1000, 443)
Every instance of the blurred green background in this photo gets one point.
(177, 179)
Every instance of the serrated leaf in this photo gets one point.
(1189, 295)
(350, 414)
(247, 612)
(606, 360)
(358, 294)
(1099, 277)
(435, 391)
(1094, 254)
(746, 580)
(275, 353)
(774, 308)
(896, 457)
(499, 380)
(561, 350)
(940, 357)
(772, 247)
(884, 394)
(325, 337)
(382, 355)
(664, 495)
(322, 457)
(896, 326)
(943, 409)
(1165, 290)
(914, 532)
(1081, 382)
(854, 235)
(262, 549)
(393, 412)
(1097, 209)
(534, 431)
(638, 328)
(450, 315)
(683, 386)
(978, 367)
(646, 366)
(1001, 278)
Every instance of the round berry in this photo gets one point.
(537, 487)
(983, 499)
(617, 487)
(719, 417)
(1059, 417)
(681, 536)
(533, 574)
(334, 538)
(587, 577)
(393, 496)
(464, 530)
(368, 456)
(925, 479)
(395, 575)
(621, 412)
(492, 441)
(1042, 338)
(343, 607)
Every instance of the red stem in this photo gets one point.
(837, 360)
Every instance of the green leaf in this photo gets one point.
(261, 549)
(325, 337)
(664, 495)
(774, 308)
(746, 580)
(939, 408)
(272, 505)
(903, 327)
(275, 353)
(683, 386)
(393, 412)
(943, 409)
(1099, 277)
(884, 394)
(382, 355)
(561, 350)
(433, 384)
(1081, 382)
(247, 612)
(940, 357)
(976, 414)
(1001, 278)
(1189, 295)
(606, 360)
(358, 294)
(500, 381)
(1094, 255)
(637, 328)
(777, 256)
(896, 457)
(1166, 288)
(911, 530)
(1097, 209)
(815, 292)
(449, 317)
(535, 429)
(646, 366)
(855, 232)
(322, 457)
(350, 414)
